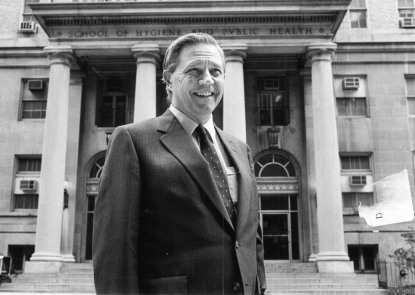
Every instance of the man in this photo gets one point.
(169, 219)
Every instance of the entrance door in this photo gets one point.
(276, 236)
(89, 227)
(279, 219)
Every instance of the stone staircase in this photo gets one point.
(73, 278)
(282, 278)
(303, 278)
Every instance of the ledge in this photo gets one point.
(19, 214)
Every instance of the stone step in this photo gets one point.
(330, 292)
(59, 280)
(357, 280)
(49, 287)
(68, 275)
(322, 287)
(310, 275)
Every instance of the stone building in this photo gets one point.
(322, 91)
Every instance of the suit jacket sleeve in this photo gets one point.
(262, 284)
(116, 218)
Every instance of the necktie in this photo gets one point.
(209, 153)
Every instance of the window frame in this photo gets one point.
(361, 257)
(356, 171)
(35, 175)
(349, 98)
(409, 96)
(359, 9)
(23, 99)
(354, 210)
(406, 8)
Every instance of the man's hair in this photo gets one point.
(172, 56)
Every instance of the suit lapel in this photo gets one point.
(244, 179)
(181, 146)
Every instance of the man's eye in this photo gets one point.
(215, 72)
(192, 71)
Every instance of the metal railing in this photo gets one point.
(398, 278)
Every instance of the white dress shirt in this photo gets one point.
(189, 126)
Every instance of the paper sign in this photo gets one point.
(394, 201)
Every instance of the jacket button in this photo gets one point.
(237, 286)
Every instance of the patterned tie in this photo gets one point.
(209, 152)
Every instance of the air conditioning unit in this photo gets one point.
(35, 85)
(357, 180)
(351, 83)
(28, 27)
(28, 185)
(407, 22)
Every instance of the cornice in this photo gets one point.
(375, 47)
(128, 20)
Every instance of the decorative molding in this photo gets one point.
(286, 186)
(100, 21)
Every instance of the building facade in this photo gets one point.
(322, 91)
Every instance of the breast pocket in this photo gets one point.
(166, 285)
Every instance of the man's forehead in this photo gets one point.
(200, 52)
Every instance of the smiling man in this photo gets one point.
(177, 208)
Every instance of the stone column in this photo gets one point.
(147, 56)
(332, 256)
(234, 120)
(311, 175)
(47, 256)
(74, 115)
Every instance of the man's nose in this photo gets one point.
(206, 78)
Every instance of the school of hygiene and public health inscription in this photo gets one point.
(164, 32)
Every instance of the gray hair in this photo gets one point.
(172, 56)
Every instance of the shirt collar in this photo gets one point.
(189, 125)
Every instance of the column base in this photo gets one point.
(312, 258)
(335, 267)
(43, 266)
(68, 258)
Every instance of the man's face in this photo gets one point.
(197, 82)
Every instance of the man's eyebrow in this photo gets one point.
(198, 62)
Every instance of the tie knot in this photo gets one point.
(203, 134)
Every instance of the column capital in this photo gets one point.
(59, 54)
(146, 53)
(321, 51)
(235, 52)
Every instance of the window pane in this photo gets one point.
(341, 106)
(26, 201)
(274, 202)
(345, 161)
(29, 165)
(406, 13)
(354, 255)
(369, 256)
(349, 200)
(360, 106)
(406, 3)
(411, 105)
(410, 87)
(274, 170)
(365, 199)
(358, 4)
(358, 19)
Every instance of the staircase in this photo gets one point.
(282, 278)
(303, 278)
(73, 278)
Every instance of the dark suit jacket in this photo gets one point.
(160, 226)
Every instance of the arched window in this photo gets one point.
(96, 169)
(274, 165)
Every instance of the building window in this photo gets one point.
(352, 200)
(355, 163)
(274, 165)
(29, 165)
(364, 257)
(406, 8)
(20, 254)
(410, 93)
(358, 14)
(351, 107)
(115, 103)
(29, 201)
(34, 98)
(26, 190)
(273, 102)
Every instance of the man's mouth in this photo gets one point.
(204, 94)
